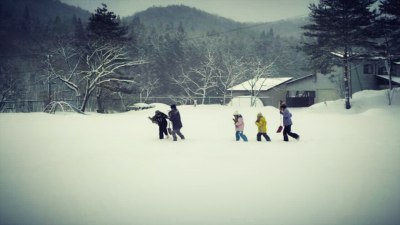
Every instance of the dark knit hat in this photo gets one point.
(173, 106)
(283, 106)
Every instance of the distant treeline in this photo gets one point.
(182, 47)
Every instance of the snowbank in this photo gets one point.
(138, 106)
(361, 102)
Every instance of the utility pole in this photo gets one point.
(48, 79)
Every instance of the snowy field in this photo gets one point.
(112, 169)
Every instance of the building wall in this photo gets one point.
(364, 81)
(311, 83)
(325, 89)
(275, 95)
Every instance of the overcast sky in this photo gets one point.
(238, 10)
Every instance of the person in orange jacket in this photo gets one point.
(262, 127)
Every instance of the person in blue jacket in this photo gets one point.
(287, 123)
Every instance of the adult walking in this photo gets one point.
(262, 127)
(175, 118)
(287, 123)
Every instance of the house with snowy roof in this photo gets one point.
(300, 92)
(268, 90)
(369, 71)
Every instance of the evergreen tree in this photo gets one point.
(26, 21)
(74, 20)
(387, 32)
(57, 27)
(1, 14)
(342, 24)
(388, 26)
(79, 31)
(103, 24)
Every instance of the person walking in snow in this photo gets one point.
(287, 123)
(161, 119)
(239, 124)
(262, 127)
(175, 118)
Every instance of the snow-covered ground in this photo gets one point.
(113, 169)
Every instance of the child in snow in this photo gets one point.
(161, 119)
(239, 124)
(175, 118)
(262, 127)
(287, 123)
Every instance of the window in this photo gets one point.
(382, 71)
(368, 69)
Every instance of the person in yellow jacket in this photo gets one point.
(262, 127)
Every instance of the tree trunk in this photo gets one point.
(346, 80)
(388, 64)
(86, 97)
(389, 69)
(100, 104)
(204, 96)
(224, 97)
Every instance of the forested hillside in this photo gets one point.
(102, 62)
(193, 19)
(44, 10)
(285, 28)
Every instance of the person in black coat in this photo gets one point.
(161, 119)
(175, 118)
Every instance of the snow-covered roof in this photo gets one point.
(141, 105)
(394, 79)
(260, 84)
(297, 79)
(366, 56)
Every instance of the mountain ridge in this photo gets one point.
(199, 20)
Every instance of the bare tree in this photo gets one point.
(229, 73)
(63, 59)
(85, 68)
(146, 83)
(199, 81)
(256, 74)
(103, 59)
